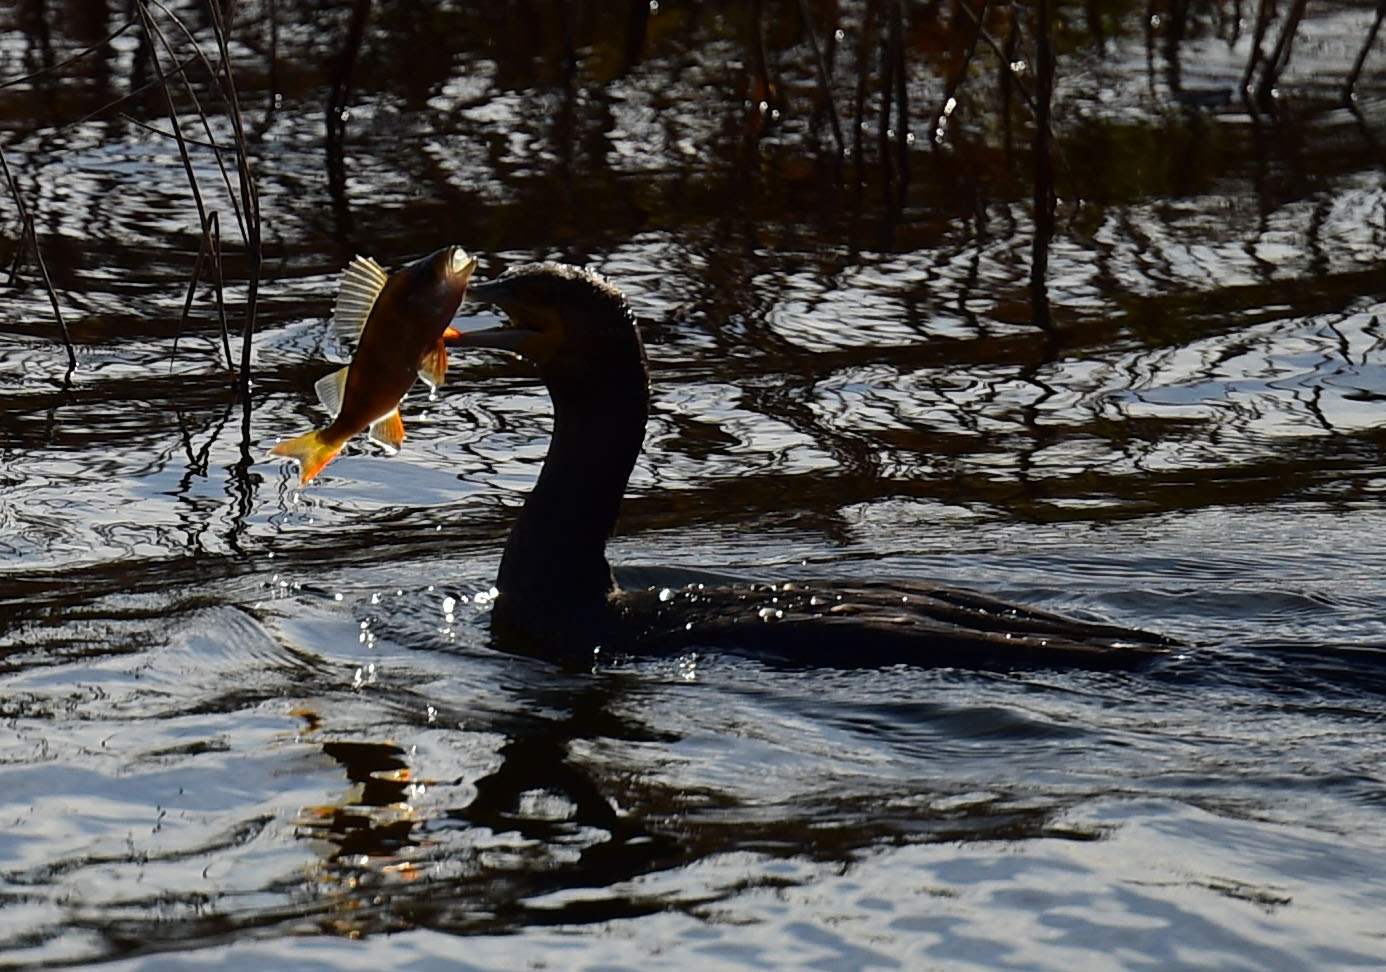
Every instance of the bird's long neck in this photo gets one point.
(555, 559)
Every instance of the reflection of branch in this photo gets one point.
(28, 223)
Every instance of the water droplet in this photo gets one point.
(337, 596)
(448, 604)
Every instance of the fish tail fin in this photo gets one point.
(311, 451)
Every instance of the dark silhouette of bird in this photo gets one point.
(556, 593)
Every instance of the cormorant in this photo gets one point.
(556, 594)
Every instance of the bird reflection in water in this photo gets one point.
(551, 816)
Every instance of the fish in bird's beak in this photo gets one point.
(400, 321)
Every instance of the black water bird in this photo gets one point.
(556, 592)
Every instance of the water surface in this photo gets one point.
(244, 724)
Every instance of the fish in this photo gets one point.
(399, 321)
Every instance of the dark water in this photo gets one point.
(247, 725)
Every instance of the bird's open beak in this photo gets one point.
(507, 337)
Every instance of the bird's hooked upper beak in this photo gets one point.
(526, 332)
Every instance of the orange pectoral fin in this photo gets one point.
(311, 451)
(433, 366)
(388, 431)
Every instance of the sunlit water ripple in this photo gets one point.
(245, 724)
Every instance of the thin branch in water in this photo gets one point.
(888, 64)
(151, 31)
(902, 105)
(156, 130)
(1258, 34)
(1006, 60)
(208, 250)
(1044, 168)
(959, 75)
(1350, 85)
(197, 104)
(1280, 56)
(32, 234)
(128, 96)
(250, 203)
(863, 53)
(84, 52)
(824, 80)
(336, 126)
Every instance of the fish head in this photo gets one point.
(431, 289)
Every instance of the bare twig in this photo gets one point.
(249, 202)
(1280, 55)
(1044, 167)
(824, 79)
(902, 105)
(84, 52)
(863, 52)
(208, 250)
(1258, 34)
(1350, 85)
(336, 127)
(959, 74)
(156, 130)
(197, 104)
(38, 258)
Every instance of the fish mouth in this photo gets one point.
(461, 263)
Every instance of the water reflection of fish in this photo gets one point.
(400, 319)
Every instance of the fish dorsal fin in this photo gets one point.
(433, 366)
(388, 431)
(331, 389)
(361, 283)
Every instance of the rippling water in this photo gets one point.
(247, 724)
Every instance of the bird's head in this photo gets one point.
(569, 321)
